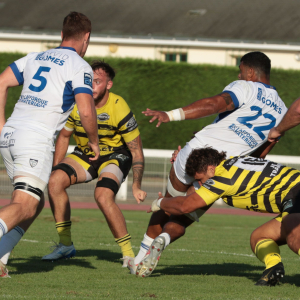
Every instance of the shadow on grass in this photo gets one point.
(226, 269)
(36, 265)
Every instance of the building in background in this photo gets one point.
(202, 32)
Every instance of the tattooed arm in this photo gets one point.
(136, 148)
(199, 109)
(209, 106)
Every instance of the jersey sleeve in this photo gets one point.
(127, 125)
(83, 81)
(70, 124)
(210, 193)
(18, 68)
(239, 91)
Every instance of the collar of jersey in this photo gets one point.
(68, 48)
(268, 86)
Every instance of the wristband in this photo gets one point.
(176, 114)
(155, 206)
(158, 202)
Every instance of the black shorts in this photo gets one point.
(122, 158)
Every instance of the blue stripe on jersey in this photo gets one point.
(17, 73)
(233, 97)
(268, 86)
(83, 91)
(68, 48)
(68, 97)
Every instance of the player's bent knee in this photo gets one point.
(69, 170)
(109, 183)
(31, 186)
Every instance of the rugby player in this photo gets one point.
(52, 81)
(248, 108)
(244, 182)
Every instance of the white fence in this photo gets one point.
(157, 167)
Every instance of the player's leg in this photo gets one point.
(69, 171)
(28, 159)
(11, 239)
(158, 219)
(110, 178)
(265, 242)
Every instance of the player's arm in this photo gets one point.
(290, 120)
(88, 118)
(61, 146)
(136, 148)
(264, 149)
(178, 205)
(199, 109)
(7, 80)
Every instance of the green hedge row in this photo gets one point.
(166, 85)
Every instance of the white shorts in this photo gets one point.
(179, 168)
(27, 153)
(180, 162)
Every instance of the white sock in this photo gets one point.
(146, 242)
(9, 241)
(3, 228)
(167, 238)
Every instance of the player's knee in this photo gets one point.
(68, 171)
(105, 192)
(174, 229)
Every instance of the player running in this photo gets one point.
(52, 81)
(248, 108)
(244, 182)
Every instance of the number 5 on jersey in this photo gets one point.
(40, 78)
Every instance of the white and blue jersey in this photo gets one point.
(258, 108)
(50, 80)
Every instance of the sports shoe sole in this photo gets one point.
(149, 262)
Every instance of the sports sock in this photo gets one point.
(64, 232)
(9, 241)
(167, 239)
(268, 252)
(125, 244)
(146, 242)
(3, 228)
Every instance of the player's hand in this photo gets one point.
(161, 116)
(274, 134)
(138, 194)
(94, 148)
(154, 207)
(174, 155)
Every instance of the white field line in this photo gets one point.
(34, 241)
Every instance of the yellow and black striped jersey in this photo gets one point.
(116, 125)
(250, 183)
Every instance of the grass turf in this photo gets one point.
(212, 261)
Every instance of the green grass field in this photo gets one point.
(212, 261)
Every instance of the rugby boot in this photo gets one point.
(60, 251)
(3, 270)
(149, 262)
(271, 276)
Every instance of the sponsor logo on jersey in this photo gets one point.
(275, 170)
(210, 181)
(33, 162)
(103, 117)
(7, 135)
(244, 135)
(131, 123)
(88, 79)
(268, 101)
(287, 204)
(31, 100)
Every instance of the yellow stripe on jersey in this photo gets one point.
(250, 183)
(116, 126)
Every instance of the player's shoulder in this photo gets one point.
(239, 84)
(117, 100)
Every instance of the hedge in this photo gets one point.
(167, 85)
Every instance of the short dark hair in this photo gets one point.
(199, 159)
(259, 61)
(101, 64)
(75, 25)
